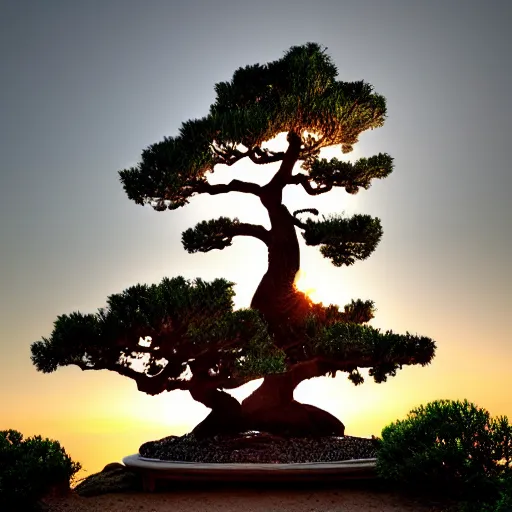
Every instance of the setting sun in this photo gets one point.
(306, 284)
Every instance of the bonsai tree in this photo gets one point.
(185, 335)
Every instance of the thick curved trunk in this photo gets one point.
(272, 408)
(276, 297)
(226, 412)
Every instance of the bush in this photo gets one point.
(502, 503)
(30, 468)
(449, 448)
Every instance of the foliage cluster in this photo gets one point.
(452, 449)
(192, 323)
(298, 94)
(344, 241)
(185, 323)
(30, 468)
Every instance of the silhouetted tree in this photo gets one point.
(185, 334)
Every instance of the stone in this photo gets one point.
(114, 477)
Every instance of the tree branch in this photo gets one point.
(260, 156)
(256, 154)
(232, 186)
(228, 157)
(303, 179)
(231, 382)
(218, 234)
(283, 175)
(321, 366)
(297, 221)
(161, 382)
(254, 230)
(150, 385)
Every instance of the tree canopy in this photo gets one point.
(151, 333)
(181, 334)
(298, 95)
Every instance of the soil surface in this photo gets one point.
(259, 448)
(348, 498)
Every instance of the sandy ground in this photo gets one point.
(244, 500)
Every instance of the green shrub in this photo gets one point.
(449, 448)
(502, 502)
(30, 468)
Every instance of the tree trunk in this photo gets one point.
(272, 408)
(275, 297)
(226, 412)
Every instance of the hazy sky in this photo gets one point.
(86, 85)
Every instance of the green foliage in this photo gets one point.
(185, 321)
(208, 235)
(170, 167)
(261, 358)
(252, 350)
(298, 93)
(499, 501)
(351, 176)
(30, 468)
(344, 240)
(194, 321)
(164, 309)
(359, 311)
(450, 448)
(365, 346)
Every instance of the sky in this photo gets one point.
(87, 85)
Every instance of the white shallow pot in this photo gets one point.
(155, 469)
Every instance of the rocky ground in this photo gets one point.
(259, 448)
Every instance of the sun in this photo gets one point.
(306, 285)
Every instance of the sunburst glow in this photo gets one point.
(306, 284)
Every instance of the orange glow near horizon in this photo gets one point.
(99, 417)
(306, 285)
